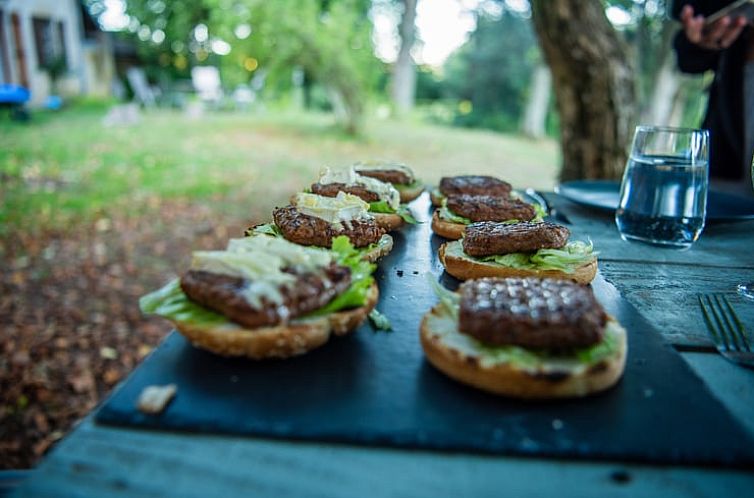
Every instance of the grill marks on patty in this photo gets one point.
(224, 294)
(312, 231)
(474, 185)
(490, 208)
(332, 189)
(488, 238)
(395, 176)
(530, 312)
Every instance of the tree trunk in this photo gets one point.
(403, 86)
(536, 108)
(594, 86)
(667, 86)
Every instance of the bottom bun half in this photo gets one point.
(465, 360)
(447, 229)
(409, 193)
(464, 267)
(381, 248)
(280, 341)
(388, 221)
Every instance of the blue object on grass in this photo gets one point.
(53, 102)
(13, 94)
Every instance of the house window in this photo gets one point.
(45, 43)
(4, 55)
(60, 32)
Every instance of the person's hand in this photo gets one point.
(718, 36)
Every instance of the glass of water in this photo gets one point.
(663, 197)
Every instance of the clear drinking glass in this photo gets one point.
(747, 290)
(663, 197)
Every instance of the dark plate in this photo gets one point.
(603, 194)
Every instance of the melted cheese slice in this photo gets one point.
(380, 165)
(348, 176)
(334, 210)
(260, 261)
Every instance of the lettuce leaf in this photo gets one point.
(539, 209)
(411, 186)
(170, 302)
(567, 259)
(403, 211)
(450, 300)
(264, 229)
(348, 255)
(448, 215)
(380, 207)
(353, 297)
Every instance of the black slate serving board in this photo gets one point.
(376, 388)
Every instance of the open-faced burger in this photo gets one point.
(525, 338)
(458, 211)
(471, 185)
(397, 174)
(265, 297)
(383, 199)
(315, 220)
(491, 249)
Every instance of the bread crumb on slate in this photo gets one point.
(154, 399)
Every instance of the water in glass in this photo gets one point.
(663, 200)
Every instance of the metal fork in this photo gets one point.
(726, 330)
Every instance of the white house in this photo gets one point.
(37, 35)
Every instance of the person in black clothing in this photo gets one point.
(725, 48)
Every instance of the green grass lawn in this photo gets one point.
(67, 167)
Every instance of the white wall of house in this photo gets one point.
(79, 78)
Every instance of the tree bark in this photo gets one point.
(535, 114)
(593, 80)
(403, 85)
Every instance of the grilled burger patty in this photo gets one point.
(490, 208)
(395, 176)
(312, 231)
(475, 185)
(488, 238)
(224, 294)
(531, 312)
(332, 189)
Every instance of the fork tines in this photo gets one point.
(726, 329)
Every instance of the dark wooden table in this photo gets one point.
(663, 284)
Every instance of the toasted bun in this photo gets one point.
(280, 341)
(388, 221)
(383, 248)
(466, 268)
(445, 228)
(408, 194)
(462, 359)
(436, 197)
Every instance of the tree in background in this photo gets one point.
(403, 84)
(594, 85)
(491, 74)
(329, 40)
